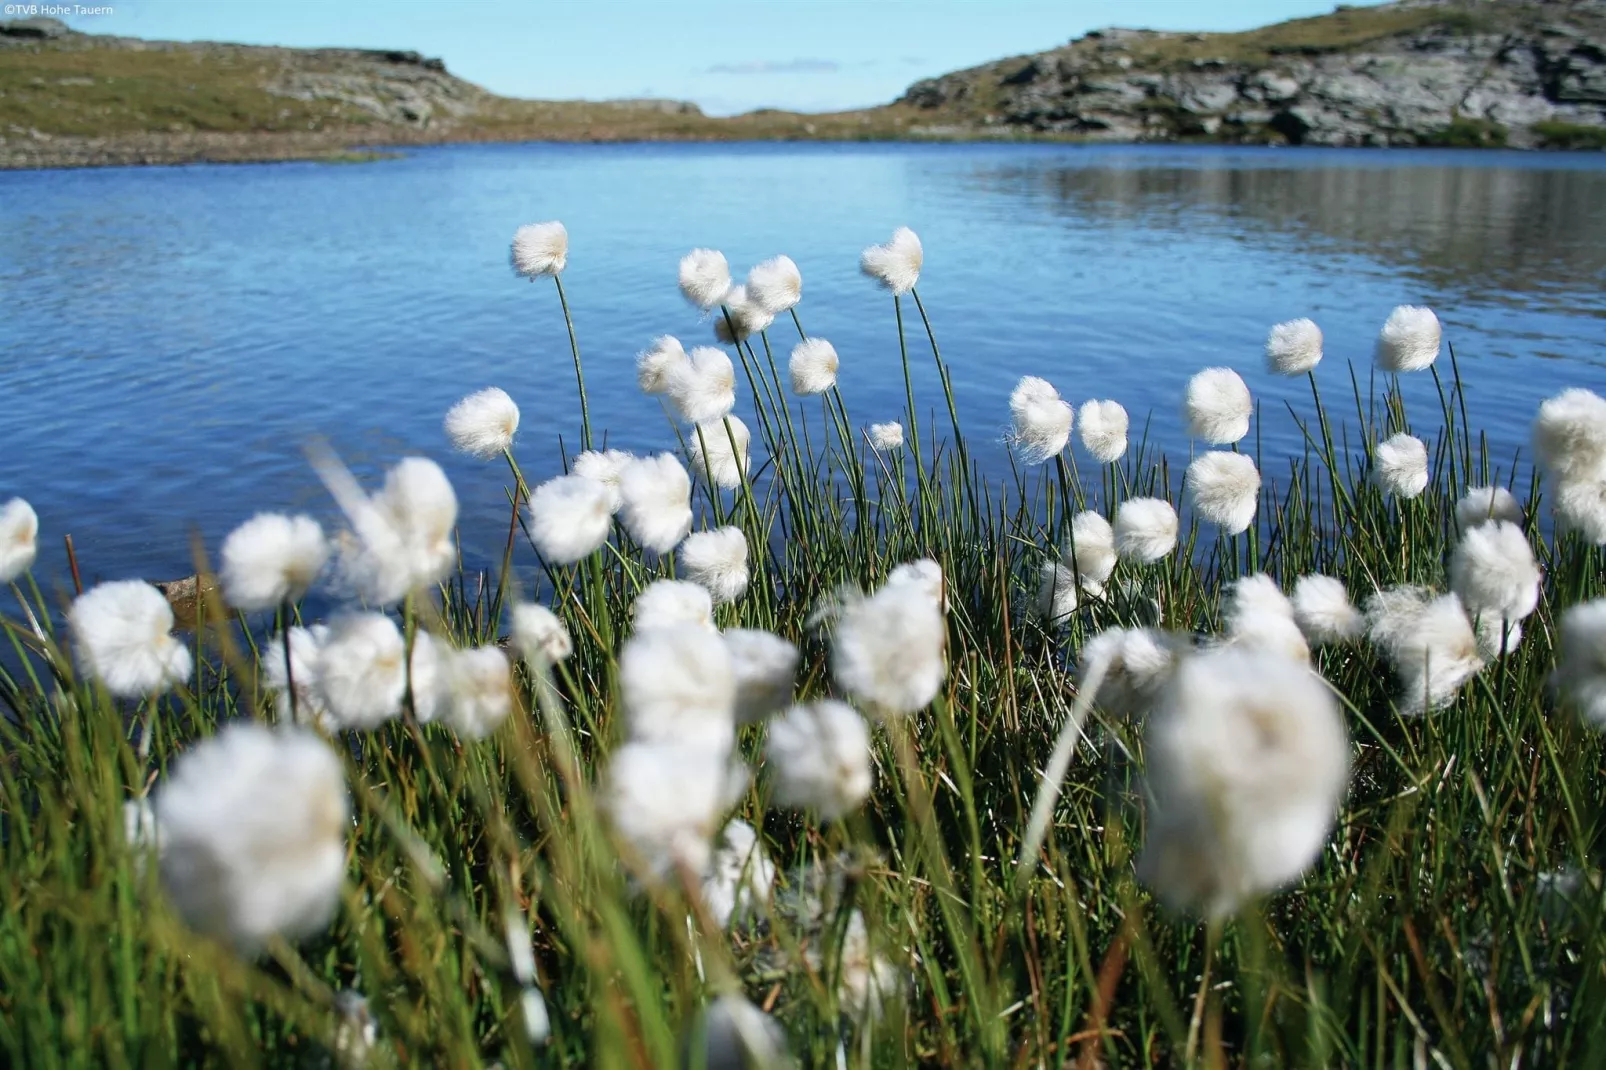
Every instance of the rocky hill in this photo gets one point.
(1519, 72)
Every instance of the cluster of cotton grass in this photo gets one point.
(1246, 751)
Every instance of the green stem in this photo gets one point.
(574, 347)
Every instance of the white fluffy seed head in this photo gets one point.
(1089, 548)
(702, 388)
(19, 539)
(1570, 436)
(1400, 466)
(1058, 593)
(122, 634)
(742, 317)
(1248, 761)
(775, 285)
(478, 684)
(1135, 665)
(362, 675)
(1482, 504)
(604, 466)
(570, 518)
(482, 424)
(1324, 612)
(1225, 489)
(253, 827)
(1103, 427)
(1428, 640)
(719, 451)
(403, 534)
(925, 575)
(665, 801)
(819, 758)
(1294, 348)
(1494, 571)
(271, 559)
(540, 635)
(1260, 618)
(677, 686)
(1145, 529)
(306, 650)
(739, 879)
(673, 604)
(732, 1033)
(895, 264)
(540, 249)
(766, 667)
(1581, 663)
(1409, 340)
(886, 437)
(813, 366)
(1218, 406)
(1040, 420)
(657, 501)
(705, 278)
(657, 365)
(888, 649)
(717, 560)
(1580, 505)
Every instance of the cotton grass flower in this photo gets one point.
(1570, 436)
(896, 264)
(888, 649)
(540, 635)
(362, 674)
(818, 756)
(867, 982)
(742, 317)
(673, 604)
(1480, 505)
(705, 278)
(606, 467)
(254, 824)
(1145, 529)
(719, 451)
(1294, 348)
(925, 575)
(1260, 617)
(479, 691)
(776, 285)
(717, 560)
(1218, 406)
(1059, 592)
(306, 652)
(1134, 666)
(813, 365)
(1401, 466)
(732, 1034)
(1581, 664)
(702, 388)
(1103, 427)
(1225, 489)
(657, 365)
(740, 876)
(570, 518)
(1494, 571)
(1248, 761)
(19, 539)
(677, 686)
(884, 438)
(271, 559)
(1428, 640)
(657, 501)
(122, 634)
(1580, 506)
(1089, 549)
(1324, 612)
(1040, 420)
(403, 534)
(482, 424)
(540, 249)
(765, 666)
(664, 801)
(1409, 340)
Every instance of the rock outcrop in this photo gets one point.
(1518, 72)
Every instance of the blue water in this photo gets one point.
(171, 337)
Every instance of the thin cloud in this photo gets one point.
(778, 66)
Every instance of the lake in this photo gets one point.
(171, 337)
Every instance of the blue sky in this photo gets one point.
(726, 55)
